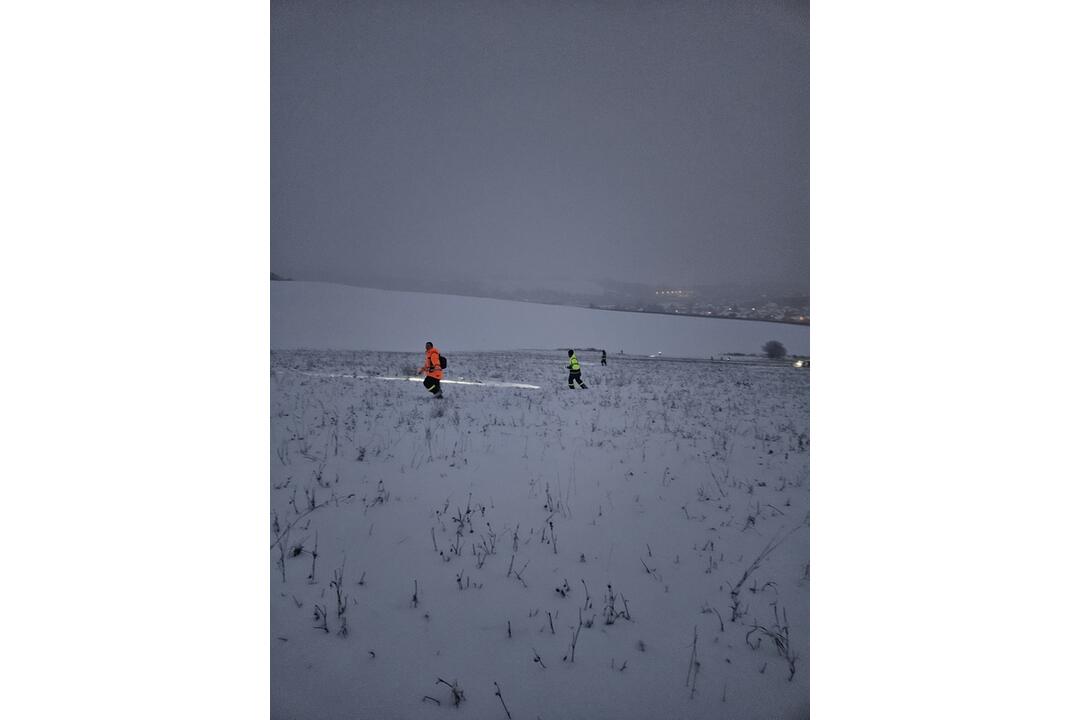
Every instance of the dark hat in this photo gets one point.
(428, 344)
(569, 352)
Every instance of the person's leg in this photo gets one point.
(571, 381)
(431, 384)
(438, 388)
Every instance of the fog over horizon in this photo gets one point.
(574, 147)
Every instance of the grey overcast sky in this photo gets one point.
(541, 142)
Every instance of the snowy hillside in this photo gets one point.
(636, 550)
(329, 316)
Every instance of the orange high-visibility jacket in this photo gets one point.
(431, 364)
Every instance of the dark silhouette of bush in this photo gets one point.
(775, 349)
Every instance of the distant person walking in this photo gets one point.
(575, 371)
(432, 369)
(603, 357)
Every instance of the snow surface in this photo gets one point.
(666, 481)
(342, 317)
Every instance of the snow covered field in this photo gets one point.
(636, 550)
(341, 317)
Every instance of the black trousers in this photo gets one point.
(433, 385)
(576, 375)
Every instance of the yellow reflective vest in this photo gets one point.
(575, 366)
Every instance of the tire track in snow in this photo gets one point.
(490, 383)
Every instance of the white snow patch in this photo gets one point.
(341, 317)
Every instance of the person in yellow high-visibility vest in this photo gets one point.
(575, 371)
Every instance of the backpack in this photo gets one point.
(442, 361)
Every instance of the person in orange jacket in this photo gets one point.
(432, 370)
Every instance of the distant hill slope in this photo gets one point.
(275, 276)
(342, 317)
